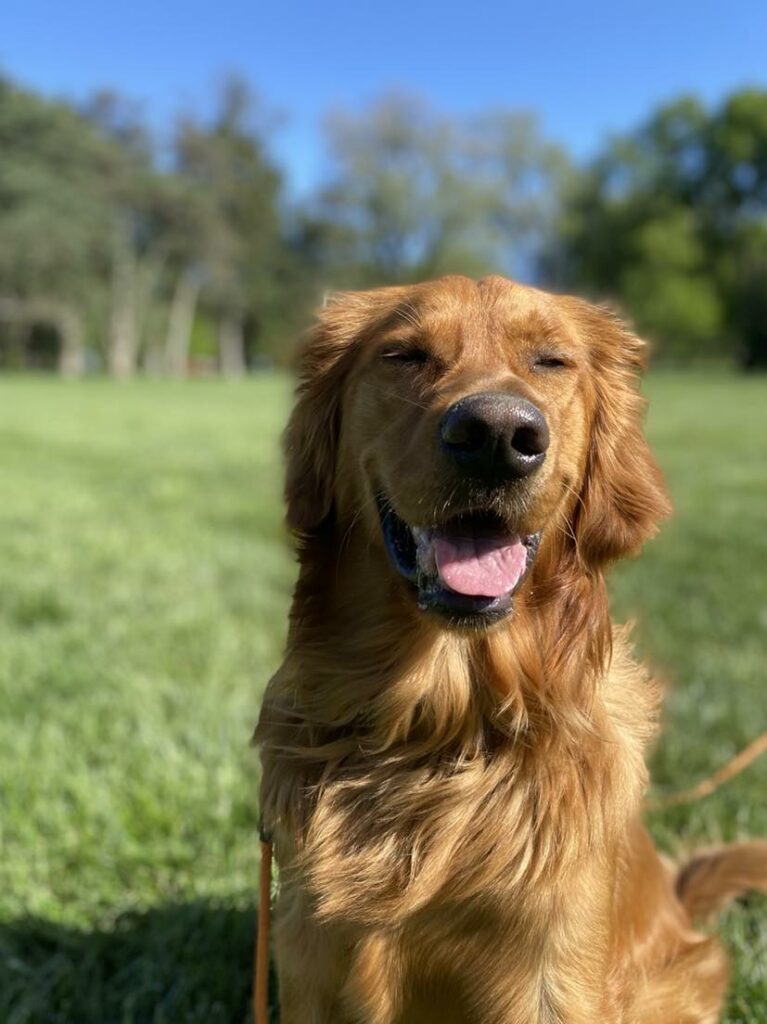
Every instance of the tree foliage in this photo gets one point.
(672, 222)
(415, 194)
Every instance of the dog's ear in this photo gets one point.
(622, 498)
(311, 438)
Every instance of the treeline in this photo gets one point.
(121, 255)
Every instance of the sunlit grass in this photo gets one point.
(143, 591)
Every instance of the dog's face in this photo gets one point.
(463, 425)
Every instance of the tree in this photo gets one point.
(415, 194)
(144, 210)
(103, 242)
(671, 220)
(54, 214)
(235, 250)
(667, 287)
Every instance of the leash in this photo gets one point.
(728, 771)
(261, 952)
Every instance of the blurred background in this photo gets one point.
(178, 188)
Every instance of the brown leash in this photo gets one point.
(261, 952)
(733, 767)
(728, 771)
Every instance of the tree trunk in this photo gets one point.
(149, 270)
(123, 343)
(180, 322)
(72, 350)
(231, 345)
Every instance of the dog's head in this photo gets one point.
(464, 426)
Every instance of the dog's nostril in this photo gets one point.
(529, 440)
(465, 433)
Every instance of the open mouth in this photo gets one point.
(467, 568)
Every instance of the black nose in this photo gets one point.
(494, 436)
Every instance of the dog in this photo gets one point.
(453, 749)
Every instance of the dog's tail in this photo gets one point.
(712, 878)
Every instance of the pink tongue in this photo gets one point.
(480, 566)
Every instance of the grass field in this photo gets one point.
(143, 590)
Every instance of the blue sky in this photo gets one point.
(587, 68)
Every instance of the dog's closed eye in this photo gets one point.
(404, 352)
(550, 361)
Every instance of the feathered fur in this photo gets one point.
(457, 813)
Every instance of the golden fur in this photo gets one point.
(456, 812)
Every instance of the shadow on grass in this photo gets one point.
(177, 964)
(190, 963)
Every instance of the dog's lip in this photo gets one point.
(401, 543)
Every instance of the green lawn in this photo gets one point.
(143, 591)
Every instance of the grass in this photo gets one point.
(143, 590)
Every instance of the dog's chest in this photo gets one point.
(521, 961)
(394, 848)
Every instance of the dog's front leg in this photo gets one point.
(312, 964)
(373, 986)
(327, 977)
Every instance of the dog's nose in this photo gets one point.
(494, 436)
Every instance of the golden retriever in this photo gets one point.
(453, 749)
